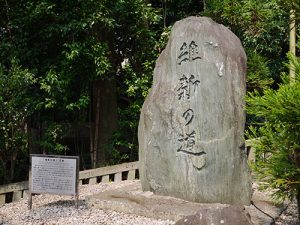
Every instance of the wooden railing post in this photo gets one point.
(118, 177)
(131, 175)
(2, 199)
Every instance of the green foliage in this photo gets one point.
(69, 45)
(63, 43)
(179, 9)
(262, 27)
(258, 73)
(134, 89)
(50, 143)
(277, 138)
(16, 104)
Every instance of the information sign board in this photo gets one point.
(54, 174)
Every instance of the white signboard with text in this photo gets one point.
(54, 175)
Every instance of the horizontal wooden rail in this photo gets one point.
(108, 170)
(126, 171)
(13, 187)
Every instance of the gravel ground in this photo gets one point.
(54, 210)
(289, 216)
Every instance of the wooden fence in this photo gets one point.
(126, 171)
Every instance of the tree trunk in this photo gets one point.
(95, 125)
(298, 203)
(103, 120)
(165, 12)
(297, 163)
(13, 160)
(292, 43)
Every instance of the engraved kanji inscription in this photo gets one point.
(186, 86)
(188, 53)
(188, 115)
(187, 141)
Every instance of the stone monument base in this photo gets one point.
(132, 200)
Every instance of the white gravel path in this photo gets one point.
(289, 216)
(54, 210)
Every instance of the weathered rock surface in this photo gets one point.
(224, 216)
(132, 200)
(191, 127)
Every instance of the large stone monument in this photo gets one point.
(191, 127)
